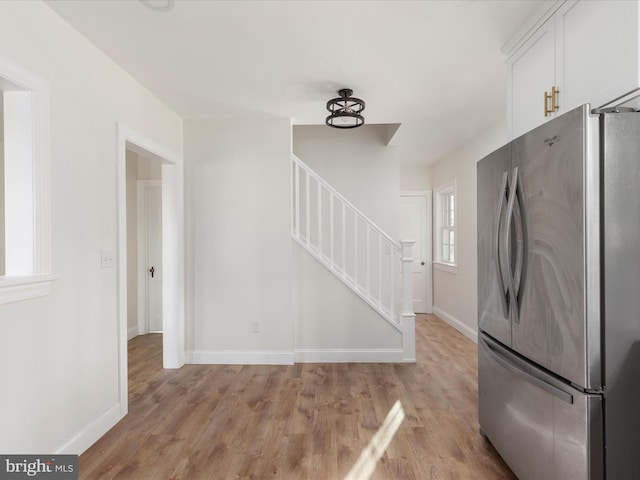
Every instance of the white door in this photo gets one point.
(415, 224)
(150, 255)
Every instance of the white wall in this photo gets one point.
(59, 353)
(359, 165)
(138, 168)
(455, 294)
(2, 243)
(238, 241)
(415, 177)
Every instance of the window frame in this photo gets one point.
(37, 279)
(442, 211)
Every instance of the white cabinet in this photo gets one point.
(586, 51)
(532, 72)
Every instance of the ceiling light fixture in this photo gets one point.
(346, 111)
(158, 5)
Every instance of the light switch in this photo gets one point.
(107, 258)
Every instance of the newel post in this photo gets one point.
(408, 317)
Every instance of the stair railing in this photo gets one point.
(352, 247)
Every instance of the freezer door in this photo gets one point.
(493, 302)
(550, 322)
(542, 428)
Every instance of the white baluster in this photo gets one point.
(344, 239)
(331, 231)
(297, 198)
(392, 281)
(355, 249)
(368, 260)
(319, 217)
(308, 210)
(379, 270)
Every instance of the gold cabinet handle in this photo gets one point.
(553, 97)
(547, 110)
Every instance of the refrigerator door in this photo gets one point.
(493, 301)
(621, 287)
(549, 165)
(543, 428)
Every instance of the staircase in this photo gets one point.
(354, 249)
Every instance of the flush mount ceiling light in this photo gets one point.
(158, 5)
(346, 111)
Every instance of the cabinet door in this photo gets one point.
(598, 52)
(532, 72)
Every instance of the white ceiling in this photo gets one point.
(436, 67)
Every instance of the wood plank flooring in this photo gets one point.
(306, 421)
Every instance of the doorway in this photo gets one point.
(415, 223)
(170, 165)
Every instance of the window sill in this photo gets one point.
(16, 289)
(446, 267)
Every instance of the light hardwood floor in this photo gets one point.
(306, 421)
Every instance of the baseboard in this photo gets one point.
(92, 432)
(238, 357)
(391, 355)
(466, 330)
(133, 332)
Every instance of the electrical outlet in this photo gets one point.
(107, 258)
(255, 326)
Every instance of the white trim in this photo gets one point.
(437, 218)
(172, 250)
(239, 357)
(530, 26)
(387, 355)
(408, 337)
(445, 267)
(133, 332)
(15, 289)
(463, 328)
(13, 75)
(92, 432)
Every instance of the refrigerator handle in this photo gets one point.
(502, 359)
(513, 294)
(504, 293)
(525, 242)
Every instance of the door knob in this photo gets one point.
(422, 263)
(152, 271)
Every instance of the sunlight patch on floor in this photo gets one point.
(366, 464)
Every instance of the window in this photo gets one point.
(449, 228)
(445, 216)
(26, 265)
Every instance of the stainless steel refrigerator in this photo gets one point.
(559, 298)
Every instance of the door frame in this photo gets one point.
(143, 278)
(428, 240)
(173, 351)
